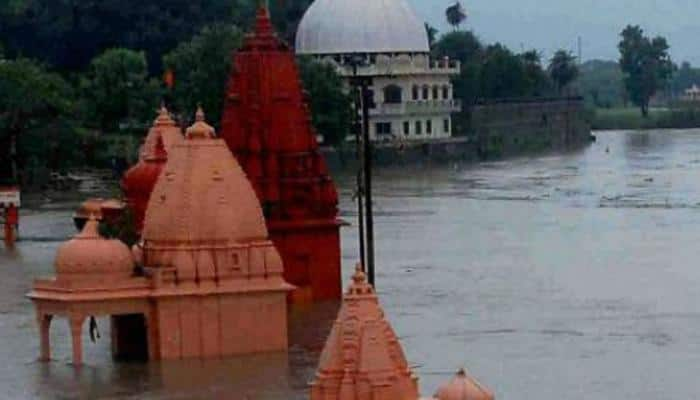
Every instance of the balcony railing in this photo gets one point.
(418, 107)
(396, 65)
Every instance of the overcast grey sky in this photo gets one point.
(548, 25)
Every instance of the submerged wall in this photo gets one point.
(504, 128)
(512, 127)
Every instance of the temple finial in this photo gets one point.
(199, 115)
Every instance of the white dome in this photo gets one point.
(361, 26)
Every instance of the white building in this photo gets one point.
(413, 96)
(691, 94)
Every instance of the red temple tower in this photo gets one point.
(267, 125)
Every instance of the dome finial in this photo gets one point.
(359, 277)
(359, 285)
(199, 115)
(463, 387)
(90, 229)
(164, 117)
(200, 129)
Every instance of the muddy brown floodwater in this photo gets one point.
(570, 277)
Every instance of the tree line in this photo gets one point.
(643, 72)
(73, 72)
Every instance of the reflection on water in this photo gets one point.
(560, 277)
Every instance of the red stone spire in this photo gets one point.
(263, 37)
(267, 125)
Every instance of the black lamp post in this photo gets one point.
(364, 150)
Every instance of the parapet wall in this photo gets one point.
(510, 127)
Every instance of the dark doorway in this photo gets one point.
(129, 338)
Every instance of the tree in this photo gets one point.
(462, 46)
(68, 34)
(456, 15)
(201, 68)
(286, 15)
(502, 74)
(118, 91)
(35, 111)
(562, 69)
(646, 64)
(432, 34)
(537, 83)
(601, 83)
(331, 107)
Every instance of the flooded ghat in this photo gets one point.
(560, 277)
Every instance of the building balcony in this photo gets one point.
(396, 65)
(417, 107)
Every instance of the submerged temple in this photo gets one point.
(267, 125)
(363, 358)
(206, 282)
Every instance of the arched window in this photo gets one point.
(393, 94)
(426, 92)
(436, 92)
(446, 92)
(416, 92)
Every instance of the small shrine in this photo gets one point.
(267, 125)
(363, 358)
(10, 201)
(206, 281)
(138, 182)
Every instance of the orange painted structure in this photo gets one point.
(9, 213)
(207, 282)
(267, 125)
(138, 182)
(463, 387)
(363, 359)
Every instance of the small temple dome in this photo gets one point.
(89, 255)
(200, 129)
(463, 387)
(361, 26)
(203, 195)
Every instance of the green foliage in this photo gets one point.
(462, 46)
(68, 34)
(201, 67)
(601, 84)
(286, 16)
(537, 83)
(646, 64)
(490, 72)
(118, 92)
(502, 74)
(36, 111)
(432, 33)
(331, 108)
(456, 14)
(563, 69)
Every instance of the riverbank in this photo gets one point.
(659, 118)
